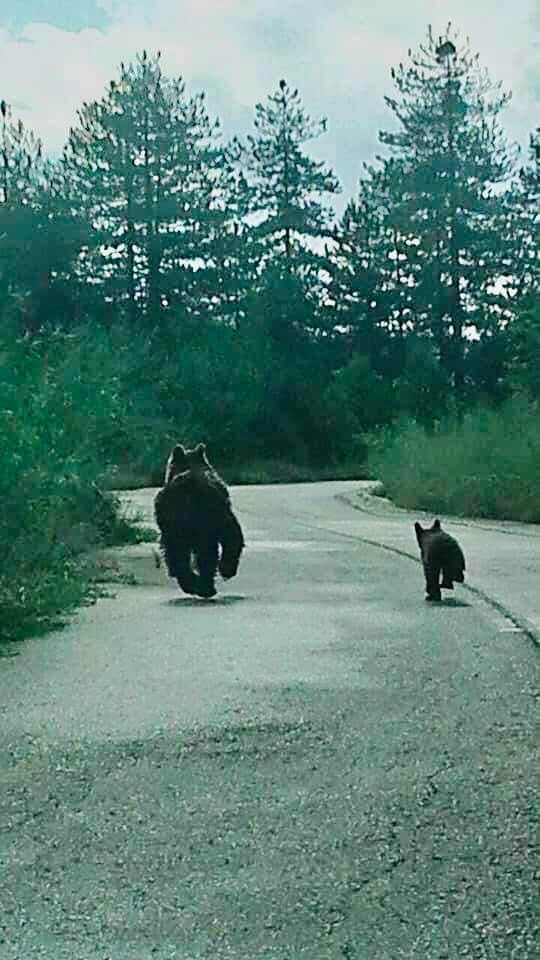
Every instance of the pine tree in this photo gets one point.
(289, 185)
(289, 208)
(40, 237)
(524, 329)
(530, 174)
(281, 255)
(451, 222)
(236, 251)
(526, 208)
(370, 292)
(142, 164)
(20, 172)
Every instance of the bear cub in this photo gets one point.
(440, 554)
(199, 531)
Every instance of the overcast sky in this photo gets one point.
(56, 53)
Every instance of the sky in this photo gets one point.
(54, 54)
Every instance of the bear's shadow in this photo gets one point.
(218, 601)
(447, 602)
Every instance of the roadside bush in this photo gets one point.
(60, 409)
(486, 464)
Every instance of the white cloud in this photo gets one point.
(338, 52)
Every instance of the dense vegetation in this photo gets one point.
(483, 465)
(159, 284)
(56, 434)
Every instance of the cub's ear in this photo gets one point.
(419, 533)
(178, 451)
(200, 449)
(436, 525)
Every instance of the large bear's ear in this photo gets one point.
(200, 450)
(436, 525)
(177, 459)
(178, 455)
(419, 533)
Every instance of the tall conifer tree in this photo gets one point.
(142, 163)
(290, 193)
(448, 166)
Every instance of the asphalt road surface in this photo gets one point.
(316, 764)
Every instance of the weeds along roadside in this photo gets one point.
(483, 465)
(61, 407)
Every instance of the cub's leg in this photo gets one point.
(447, 580)
(433, 589)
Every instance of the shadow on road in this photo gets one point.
(449, 602)
(202, 601)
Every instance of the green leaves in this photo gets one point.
(290, 188)
(63, 417)
(145, 165)
(431, 246)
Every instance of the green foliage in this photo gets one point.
(524, 213)
(524, 340)
(356, 400)
(289, 191)
(370, 305)
(485, 464)
(144, 165)
(210, 387)
(285, 471)
(58, 408)
(288, 185)
(40, 233)
(430, 245)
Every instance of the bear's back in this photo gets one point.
(192, 499)
(442, 550)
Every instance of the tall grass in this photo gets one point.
(60, 410)
(484, 465)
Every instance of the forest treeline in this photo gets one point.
(160, 283)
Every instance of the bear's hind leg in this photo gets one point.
(207, 560)
(171, 553)
(187, 580)
(232, 544)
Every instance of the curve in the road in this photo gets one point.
(517, 621)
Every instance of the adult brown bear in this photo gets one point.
(440, 554)
(199, 531)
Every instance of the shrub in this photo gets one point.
(483, 465)
(59, 409)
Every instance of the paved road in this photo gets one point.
(316, 764)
